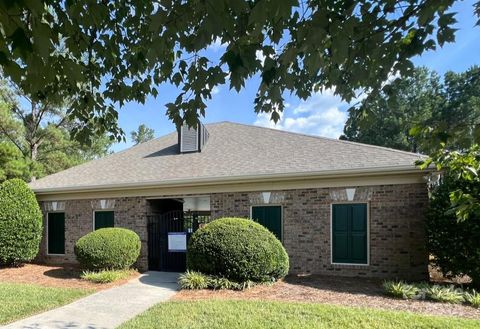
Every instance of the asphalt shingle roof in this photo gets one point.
(233, 150)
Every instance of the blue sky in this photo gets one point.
(322, 114)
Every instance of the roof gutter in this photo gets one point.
(375, 171)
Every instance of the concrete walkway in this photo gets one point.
(108, 308)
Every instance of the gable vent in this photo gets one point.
(192, 139)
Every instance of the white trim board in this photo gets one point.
(255, 186)
(227, 180)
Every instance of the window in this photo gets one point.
(270, 217)
(103, 219)
(349, 234)
(56, 233)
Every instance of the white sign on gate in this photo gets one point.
(177, 241)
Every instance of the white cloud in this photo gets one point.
(320, 100)
(320, 115)
(216, 45)
(215, 90)
(391, 77)
(260, 56)
(263, 120)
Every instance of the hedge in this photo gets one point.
(108, 249)
(238, 249)
(20, 223)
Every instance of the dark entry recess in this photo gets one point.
(159, 225)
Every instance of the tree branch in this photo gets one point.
(13, 140)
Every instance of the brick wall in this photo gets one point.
(396, 220)
(128, 212)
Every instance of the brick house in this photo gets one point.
(338, 207)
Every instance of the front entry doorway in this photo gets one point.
(169, 230)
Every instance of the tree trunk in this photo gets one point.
(33, 156)
(31, 136)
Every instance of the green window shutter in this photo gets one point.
(349, 233)
(359, 234)
(270, 217)
(104, 219)
(340, 229)
(56, 233)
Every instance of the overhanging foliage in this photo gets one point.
(107, 53)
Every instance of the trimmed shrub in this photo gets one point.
(238, 249)
(20, 223)
(400, 289)
(108, 249)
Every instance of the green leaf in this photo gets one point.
(116, 52)
(21, 42)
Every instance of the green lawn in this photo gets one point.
(256, 314)
(21, 300)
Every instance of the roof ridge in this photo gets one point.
(322, 137)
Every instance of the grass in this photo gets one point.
(106, 276)
(215, 314)
(21, 300)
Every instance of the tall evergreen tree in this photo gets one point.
(142, 134)
(36, 137)
(419, 112)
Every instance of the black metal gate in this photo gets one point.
(172, 223)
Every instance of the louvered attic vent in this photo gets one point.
(192, 139)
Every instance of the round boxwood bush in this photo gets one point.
(238, 249)
(108, 249)
(20, 223)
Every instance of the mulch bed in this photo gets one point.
(53, 276)
(359, 292)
